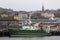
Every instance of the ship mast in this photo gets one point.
(29, 18)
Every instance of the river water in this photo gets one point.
(31, 38)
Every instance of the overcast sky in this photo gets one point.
(29, 5)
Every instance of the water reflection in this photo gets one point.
(31, 38)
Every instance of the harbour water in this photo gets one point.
(31, 38)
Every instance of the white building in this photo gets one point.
(48, 15)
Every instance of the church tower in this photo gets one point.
(42, 8)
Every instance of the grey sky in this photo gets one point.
(30, 5)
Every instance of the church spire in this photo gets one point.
(42, 8)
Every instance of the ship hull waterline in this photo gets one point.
(28, 33)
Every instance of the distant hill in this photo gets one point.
(35, 14)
